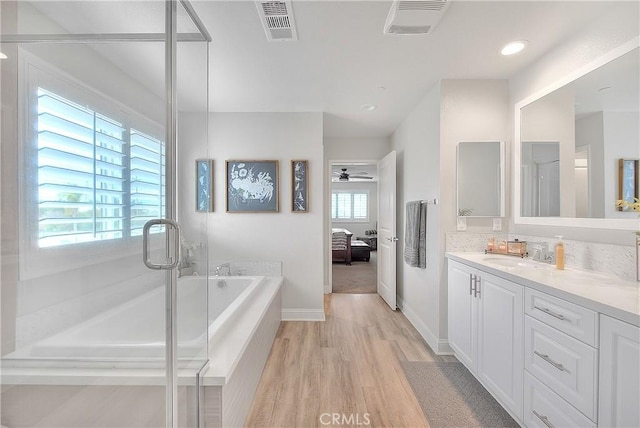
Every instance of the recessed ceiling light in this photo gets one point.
(513, 47)
(3, 56)
(368, 107)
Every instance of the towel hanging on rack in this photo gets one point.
(415, 234)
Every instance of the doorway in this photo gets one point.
(354, 201)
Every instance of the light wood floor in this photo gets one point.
(349, 364)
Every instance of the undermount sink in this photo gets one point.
(516, 262)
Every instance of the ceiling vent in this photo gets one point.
(414, 16)
(277, 20)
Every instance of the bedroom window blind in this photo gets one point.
(97, 179)
(350, 205)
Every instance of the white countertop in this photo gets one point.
(607, 294)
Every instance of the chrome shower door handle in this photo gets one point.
(174, 256)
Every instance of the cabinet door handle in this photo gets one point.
(544, 419)
(550, 312)
(476, 290)
(550, 361)
(471, 287)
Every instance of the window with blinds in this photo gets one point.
(350, 205)
(97, 179)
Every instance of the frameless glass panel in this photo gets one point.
(90, 17)
(193, 283)
(83, 167)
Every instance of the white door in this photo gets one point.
(500, 347)
(387, 239)
(462, 314)
(619, 374)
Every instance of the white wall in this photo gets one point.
(417, 145)
(552, 119)
(295, 239)
(426, 143)
(612, 30)
(590, 132)
(622, 134)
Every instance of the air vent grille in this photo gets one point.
(274, 8)
(415, 16)
(436, 5)
(408, 29)
(277, 20)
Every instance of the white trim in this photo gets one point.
(303, 314)
(35, 261)
(438, 346)
(594, 223)
(327, 289)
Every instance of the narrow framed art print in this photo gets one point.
(204, 185)
(299, 186)
(252, 186)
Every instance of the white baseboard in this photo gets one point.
(439, 346)
(303, 315)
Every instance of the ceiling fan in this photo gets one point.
(344, 175)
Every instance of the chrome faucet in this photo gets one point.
(541, 252)
(223, 270)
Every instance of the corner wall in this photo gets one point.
(295, 239)
(417, 145)
(426, 143)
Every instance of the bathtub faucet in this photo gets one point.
(223, 270)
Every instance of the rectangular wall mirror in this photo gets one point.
(480, 179)
(569, 141)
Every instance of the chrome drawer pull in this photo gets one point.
(549, 312)
(470, 284)
(550, 361)
(544, 419)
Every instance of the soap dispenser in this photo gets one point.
(559, 253)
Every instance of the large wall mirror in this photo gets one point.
(480, 170)
(569, 143)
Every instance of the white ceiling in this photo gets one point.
(342, 58)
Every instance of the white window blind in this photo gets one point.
(350, 205)
(147, 180)
(92, 184)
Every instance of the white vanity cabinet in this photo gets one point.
(619, 392)
(556, 348)
(485, 331)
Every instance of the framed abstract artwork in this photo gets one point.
(300, 186)
(252, 186)
(204, 185)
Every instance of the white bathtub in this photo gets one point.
(116, 359)
(135, 331)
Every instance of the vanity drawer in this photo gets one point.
(564, 364)
(574, 320)
(544, 408)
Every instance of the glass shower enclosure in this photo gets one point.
(103, 322)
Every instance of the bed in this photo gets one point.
(341, 245)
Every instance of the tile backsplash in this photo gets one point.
(618, 260)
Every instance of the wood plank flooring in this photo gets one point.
(348, 365)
